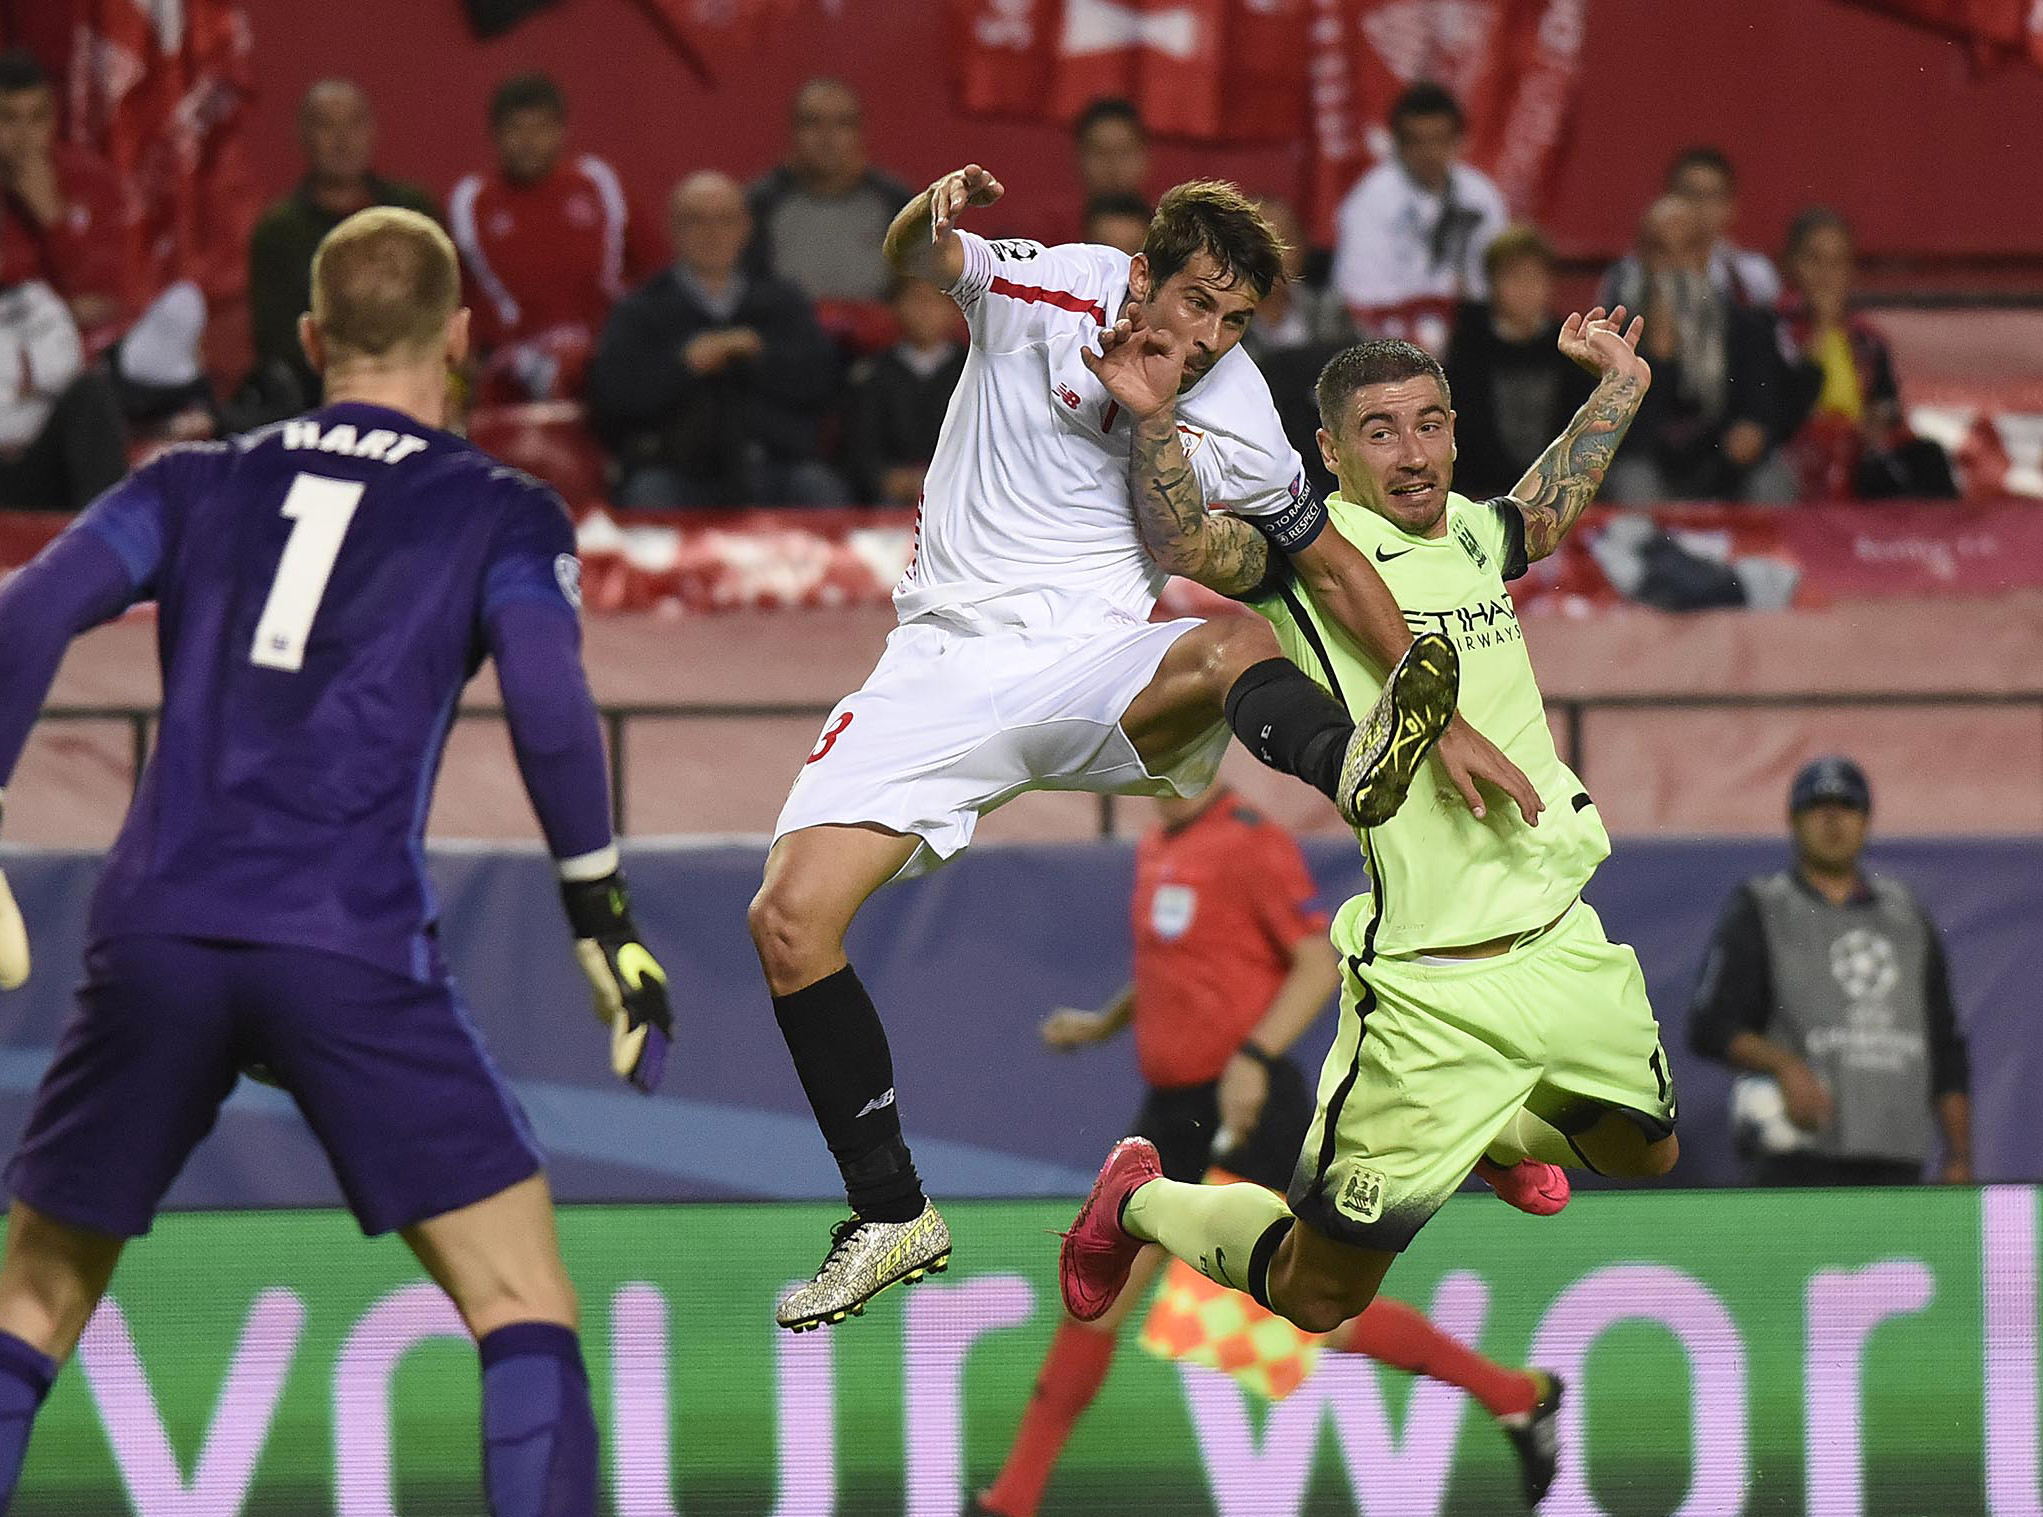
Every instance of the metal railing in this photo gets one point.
(1575, 711)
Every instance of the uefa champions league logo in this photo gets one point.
(1865, 964)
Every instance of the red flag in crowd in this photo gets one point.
(702, 30)
(1209, 70)
(1999, 29)
(162, 91)
(1321, 71)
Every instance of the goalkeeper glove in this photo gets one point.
(630, 987)
(13, 941)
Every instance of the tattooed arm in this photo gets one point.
(1219, 551)
(1561, 483)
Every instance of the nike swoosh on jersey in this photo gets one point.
(1384, 558)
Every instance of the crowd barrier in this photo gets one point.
(720, 561)
(1727, 1354)
(964, 965)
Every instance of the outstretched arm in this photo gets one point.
(1564, 479)
(923, 239)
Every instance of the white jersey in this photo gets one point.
(1027, 515)
(1398, 267)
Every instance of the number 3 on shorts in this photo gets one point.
(830, 735)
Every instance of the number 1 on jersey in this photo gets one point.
(322, 508)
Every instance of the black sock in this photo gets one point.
(840, 1051)
(1290, 723)
(1263, 1257)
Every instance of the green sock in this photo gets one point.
(1528, 1137)
(1213, 1228)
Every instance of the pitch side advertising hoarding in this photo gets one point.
(1728, 1352)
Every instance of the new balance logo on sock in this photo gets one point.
(878, 1103)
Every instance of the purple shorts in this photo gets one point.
(389, 1072)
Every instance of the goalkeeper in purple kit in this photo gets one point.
(325, 588)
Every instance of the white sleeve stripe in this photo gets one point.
(615, 215)
(584, 867)
(461, 213)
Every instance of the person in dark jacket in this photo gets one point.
(899, 397)
(1514, 390)
(1826, 987)
(337, 131)
(1709, 428)
(710, 385)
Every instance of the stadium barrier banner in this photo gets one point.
(1727, 1353)
(965, 963)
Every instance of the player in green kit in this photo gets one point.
(1486, 1021)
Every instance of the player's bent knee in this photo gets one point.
(1243, 641)
(1323, 1311)
(1660, 1156)
(789, 935)
(1319, 1303)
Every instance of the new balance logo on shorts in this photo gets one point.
(1361, 1195)
(878, 1103)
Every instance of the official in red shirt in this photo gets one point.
(548, 244)
(1232, 964)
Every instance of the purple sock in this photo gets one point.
(538, 1434)
(25, 1376)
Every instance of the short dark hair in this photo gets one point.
(1426, 98)
(1808, 222)
(1701, 156)
(1119, 203)
(1213, 216)
(19, 71)
(1109, 108)
(1379, 361)
(525, 92)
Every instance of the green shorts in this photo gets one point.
(1433, 1059)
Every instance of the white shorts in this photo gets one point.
(952, 724)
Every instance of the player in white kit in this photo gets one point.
(1025, 658)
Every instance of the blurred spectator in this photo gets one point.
(65, 214)
(1410, 236)
(1702, 176)
(821, 216)
(547, 244)
(1854, 442)
(1828, 986)
(66, 220)
(1117, 220)
(337, 134)
(1708, 428)
(1300, 324)
(899, 397)
(710, 384)
(61, 436)
(1112, 148)
(1513, 390)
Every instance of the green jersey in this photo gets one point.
(1440, 877)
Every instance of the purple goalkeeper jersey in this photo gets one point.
(326, 587)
